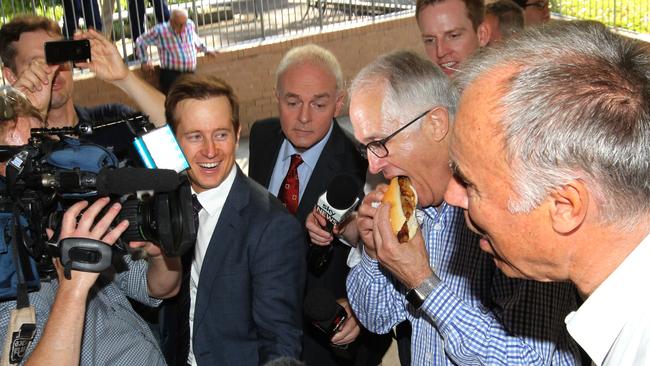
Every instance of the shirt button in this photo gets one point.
(437, 226)
(428, 356)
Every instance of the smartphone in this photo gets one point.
(58, 52)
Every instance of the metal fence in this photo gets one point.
(221, 23)
(225, 23)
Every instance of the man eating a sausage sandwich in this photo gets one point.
(461, 308)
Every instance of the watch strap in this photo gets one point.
(417, 295)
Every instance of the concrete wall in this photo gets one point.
(251, 70)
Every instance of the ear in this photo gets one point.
(9, 75)
(568, 206)
(340, 102)
(483, 32)
(436, 123)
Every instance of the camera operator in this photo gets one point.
(89, 318)
(50, 87)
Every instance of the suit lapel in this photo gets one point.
(268, 155)
(226, 237)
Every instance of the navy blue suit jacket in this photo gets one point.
(339, 156)
(249, 298)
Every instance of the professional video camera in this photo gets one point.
(47, 175)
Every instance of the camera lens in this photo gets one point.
(142, 225)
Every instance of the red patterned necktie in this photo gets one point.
(289, 190)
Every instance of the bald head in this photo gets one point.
(177, 20)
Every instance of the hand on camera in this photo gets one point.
(84, 228)
(152, 250)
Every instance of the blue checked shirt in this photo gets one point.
(114, 334)
(476, 315)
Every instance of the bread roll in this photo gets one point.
(403, 200)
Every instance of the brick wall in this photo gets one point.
(251, 70)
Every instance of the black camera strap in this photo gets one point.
(22, 323)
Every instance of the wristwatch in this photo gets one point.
(416, 296)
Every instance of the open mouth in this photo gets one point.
(208, 166)
(451, 66)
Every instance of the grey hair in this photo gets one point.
(310, 54)
(412, 85)
(177, 12)
(510, 15)
(576, 106)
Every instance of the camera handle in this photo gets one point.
(83, 254)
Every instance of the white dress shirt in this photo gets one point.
(309, 159)
(212, 202)
(613, 324)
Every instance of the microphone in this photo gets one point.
(129, 180)
(340, 199)
(323, 312)
(112, 181)
(336, 205)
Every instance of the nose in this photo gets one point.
(305, 113)
(375, 164)
(209, 149)
(441, 48)
(456, 194)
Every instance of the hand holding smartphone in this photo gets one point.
(58, 52)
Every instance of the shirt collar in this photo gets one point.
(309, 156)
(213, 199)
(436, 213)
(600, 319)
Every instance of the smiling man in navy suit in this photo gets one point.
(245, 277)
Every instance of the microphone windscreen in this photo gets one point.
(342, 191)
(130, 180)
(320, 305)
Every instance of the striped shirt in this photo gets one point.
(114, 334)
(476, 315)
(176, 51)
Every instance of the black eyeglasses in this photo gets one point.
(539, 5)
(378, 147)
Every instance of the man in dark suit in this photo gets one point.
(308, 140)
(245, 277)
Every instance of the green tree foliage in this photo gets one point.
(633, 15)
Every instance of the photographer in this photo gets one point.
(50, 87)
(89, 318)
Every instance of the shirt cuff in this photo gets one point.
(370, 265)
(442, 305)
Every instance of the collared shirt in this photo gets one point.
(114, 334)
(476, 315)
(176, 51)
(212, 202)
(309, 157)
(613, 324)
